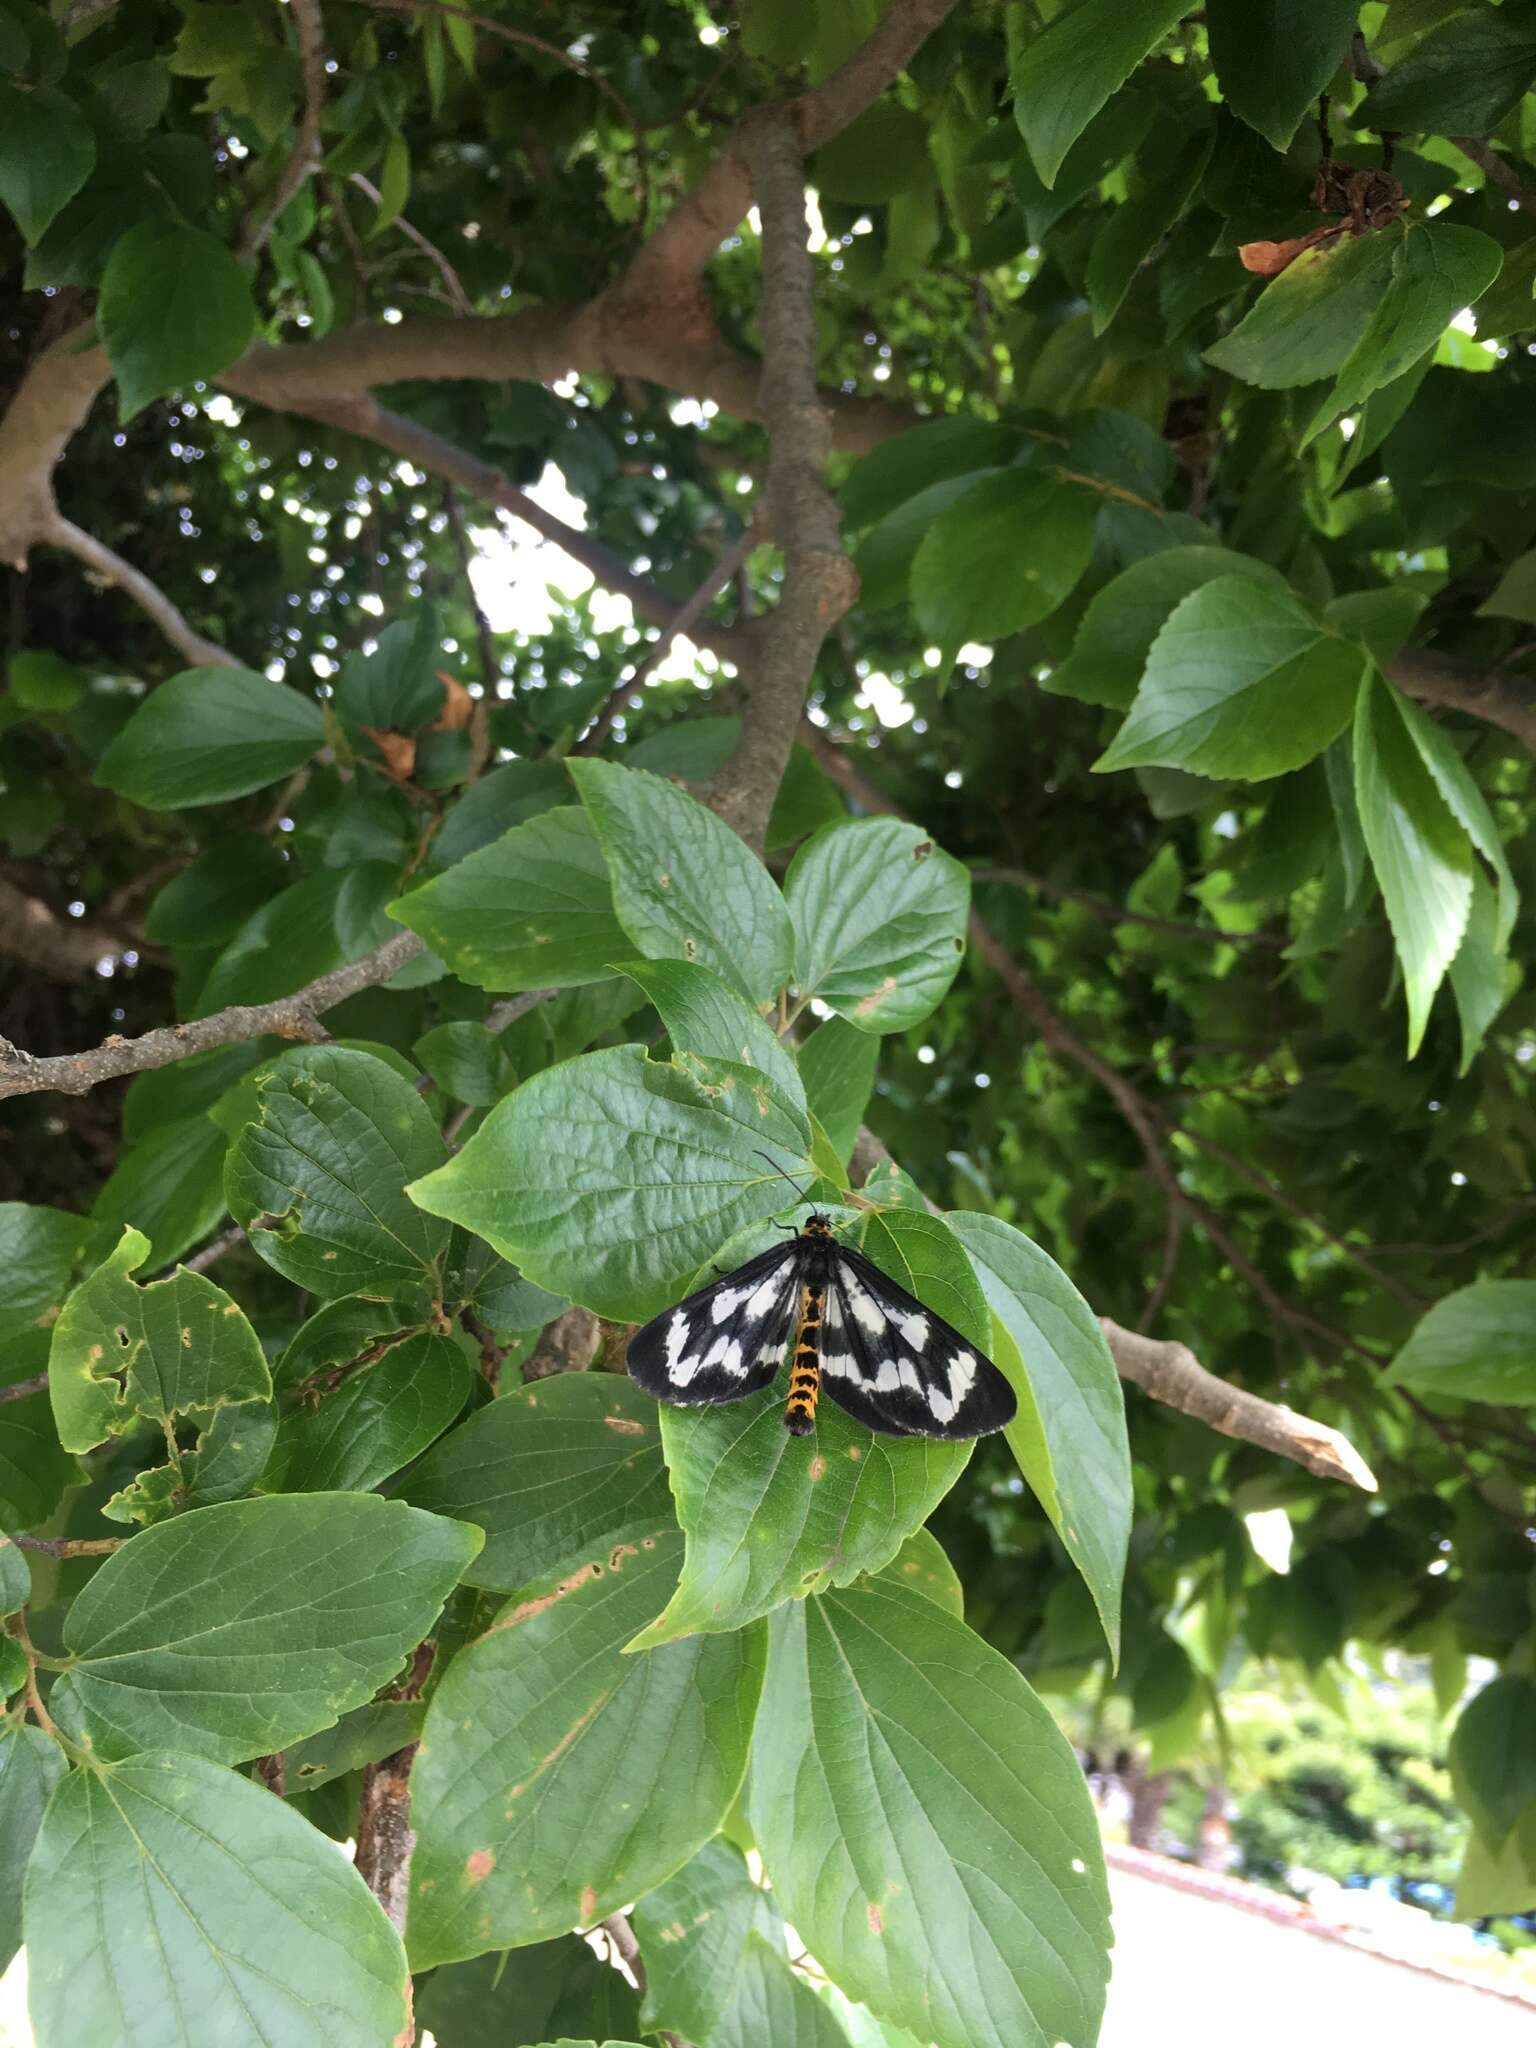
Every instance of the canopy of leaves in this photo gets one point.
(1149, 876)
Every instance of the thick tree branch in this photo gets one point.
(1497, 696)
(819, 580)
(1496, 170)
(294, 1016)
(111, 568)
(1171, 1373)
(307, 27)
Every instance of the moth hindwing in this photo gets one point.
(890, 1363)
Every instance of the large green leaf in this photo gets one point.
(1492, 1755)
(47, 152)
(1468, 806)
(1437, 271)
(508, 796)
(121, 1351)
(319, 1182)
(1124, 619)
(394, 686)
(170, 1186)
(771, 1517)
(1478, 974)
(288, 943)
(1272, 61)
(657, 1164)
(233, 1630)
(702, 1014)
(837, 1066)
(1069, 1434)
(210, 734)
(1064, 74)
(538, 1470)
(1419, 850)
(1478, 1344)
(171, 1901)
(693, 1933)
(207, 903)
(1241, 681)
(880, 916)
(1136, 227)
(1460, 79)
(684, 886)
(542, 1992)
(1309, 318)
(511, 1844)
(41, 1252)
(1002, 557)
(31, 1764)
(884, 556)
(931, 453)
(175, 306)
(532, 910)
(926, 1826)
(381, 1416)
(774, 2003)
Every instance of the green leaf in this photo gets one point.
(41, 1253)
(1502, 1883)
(544, 1468)
(394, 184)
(15, 1577)
(1479, 981)
(837, 1068)
(904, 465)
(121, 1351)
(926, 1826)
(318, 1183)
(1460, 79)
(47, 152)
(210, 734)
(693, 1933)
(1492, 1755)
(1241, 681)
(703, 1015)
(536, 1993)
(684, 886)
(1113, 133)
(395, 687)
(1273, 61)
(229, 882)
(170, 1186)
(1437, 270)
(362, 1737)
(1002, 557)
(882, 152)
(1420, 853)
(879, 914)
(773, 2003)
(884, 557)
(658, 1164)
(380, 1417)
(771, 1517)
(510, 1843)
(1137, 225)
(508, 796)
(465, 1061)
(921, 1253)
(806, 799)
(334, 1338)
(1478, 1344)
(1515, 595)
(175, 307)
(693, 749)
(1064, 74)
(34, 1470)
(923, 1564)
(167, 1886)
(533, 910)
(42, 681)
(1308, 320)
(287, 944)
(1069, 1434)
(1123, 619)
(31, 1764)
(233, 1630)
(1467, 804)
(1382, 618)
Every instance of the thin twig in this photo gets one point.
(1496, 170)
(294, 1017)
(70, 1546)
(23, 1390)
(455, 284)
(212, 1253)
(621, 1938)
(307, 27)
(1173, 1237)
(63, 533)
(687, 614)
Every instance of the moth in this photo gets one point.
(890, 1363)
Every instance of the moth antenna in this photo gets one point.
(784, 1176)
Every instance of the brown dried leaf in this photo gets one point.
(1268, 259)
(458, 708)
(399, 752)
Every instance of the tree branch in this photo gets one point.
(458, 297)
(684, 620)
(819, 580)
(1115, 913)
(1171, 1373)
(1495, 695)
(111, 568)
(1496, 170)
(294, 1017)
(307, 27)
(64, 949)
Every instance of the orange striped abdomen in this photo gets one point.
(804, 1371)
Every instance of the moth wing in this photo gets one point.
(724, 1342)
(898, 1368)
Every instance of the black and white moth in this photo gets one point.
(892, 1364)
